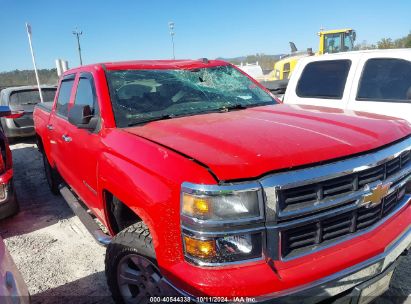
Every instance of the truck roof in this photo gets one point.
(368, 54)
(379, 52)
(154, 64)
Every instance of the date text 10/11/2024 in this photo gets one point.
(203, 300)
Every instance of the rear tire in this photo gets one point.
(52, 176)
(131, 268)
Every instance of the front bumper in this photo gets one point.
(347, 279)
(327, 273)
(340, 283)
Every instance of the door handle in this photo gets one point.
(66, 138)
(50, 127)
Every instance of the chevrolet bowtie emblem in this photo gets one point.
(376, 195)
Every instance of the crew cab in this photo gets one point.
(212, 191)
(377, 81)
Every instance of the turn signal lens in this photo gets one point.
(200, 248)
(196, 206)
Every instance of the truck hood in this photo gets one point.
(248, 143)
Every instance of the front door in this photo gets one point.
(84, 145)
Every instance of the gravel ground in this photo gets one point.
(60, 261)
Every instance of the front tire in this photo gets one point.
(52, 176)
(131, 268)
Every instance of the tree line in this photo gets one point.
(27, 77)
(386, 43)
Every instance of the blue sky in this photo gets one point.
(126, 29)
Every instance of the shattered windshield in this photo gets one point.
(140, 96)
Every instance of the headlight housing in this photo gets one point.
(222, 224)
(223, 250)
(209, 204)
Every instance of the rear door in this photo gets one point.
(58, 125)
(383, 86)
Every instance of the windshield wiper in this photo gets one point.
(241, 106)
(238, 106)
(150, 119)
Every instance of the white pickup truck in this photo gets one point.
(377, 81)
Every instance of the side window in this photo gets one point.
(332, 43)
(63, 98)
(323, 79)
(86, 93)
(385, 79)
(286, 70)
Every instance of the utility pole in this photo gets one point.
(171, 27)
(28, 28)
(77, 33)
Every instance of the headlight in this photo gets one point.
(218, 250)
(221, 203)
(214, 222)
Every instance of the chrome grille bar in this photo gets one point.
(395, 156)
(329, 200)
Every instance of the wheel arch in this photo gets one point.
(140, 215)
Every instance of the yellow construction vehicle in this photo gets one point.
(332, 41)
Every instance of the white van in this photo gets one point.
(377, 81)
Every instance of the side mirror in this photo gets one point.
(81, 116)
(6, 112)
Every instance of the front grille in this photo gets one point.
(308, 237)
(304, 196)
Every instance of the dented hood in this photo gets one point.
(248, 143)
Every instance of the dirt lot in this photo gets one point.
(60, 261)
(58, 258)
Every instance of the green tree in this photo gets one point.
(385, 43)
(388, 43)
(27, 77)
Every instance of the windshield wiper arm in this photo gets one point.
(150, 119)
(238, 106)
(241, 106)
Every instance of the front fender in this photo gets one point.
(152, 191)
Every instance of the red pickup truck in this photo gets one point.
(212, 191)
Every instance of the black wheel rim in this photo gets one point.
(138, 279)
